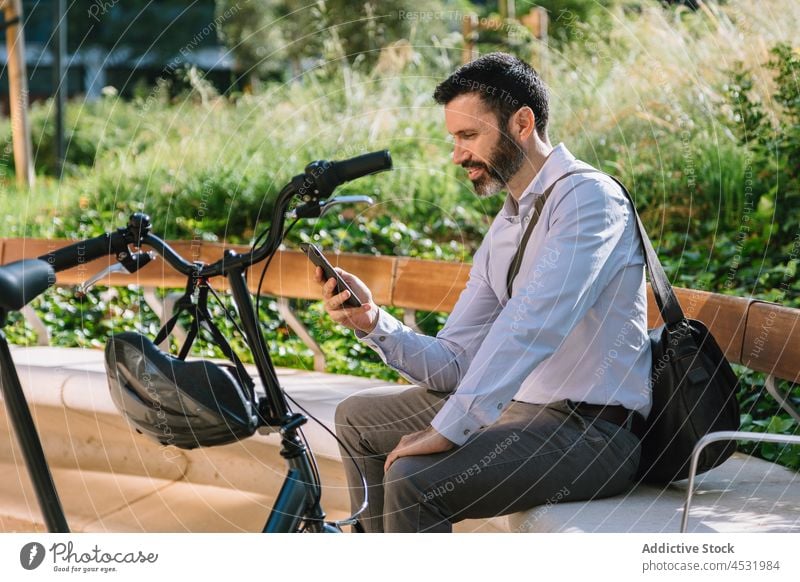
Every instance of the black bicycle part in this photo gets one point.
(20, 282)
(301, 489)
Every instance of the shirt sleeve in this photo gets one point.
(567, 274)
(438, 363)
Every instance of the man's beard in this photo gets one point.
(505, 160)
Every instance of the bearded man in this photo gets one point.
(526, 394)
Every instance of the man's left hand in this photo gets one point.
(424, 442)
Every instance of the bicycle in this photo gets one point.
(297, 506)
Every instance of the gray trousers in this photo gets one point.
(534, 454)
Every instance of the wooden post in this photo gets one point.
(536, 21)
(18, 93)
(470, 32)
(60, 90)
(508, 9)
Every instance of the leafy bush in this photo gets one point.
(772, 138)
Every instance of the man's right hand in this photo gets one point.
(363, 318)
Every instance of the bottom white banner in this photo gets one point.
(391, 557)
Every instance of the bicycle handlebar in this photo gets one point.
(326, 176)
(318, 181)
(78, 253)
(313, 186)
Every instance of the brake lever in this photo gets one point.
(316, 208)
(89, 283)
(131, 264)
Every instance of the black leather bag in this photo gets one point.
(694, 393)
(693, 386)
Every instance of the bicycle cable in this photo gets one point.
(314, 467)
(269, 260)
(361, 476)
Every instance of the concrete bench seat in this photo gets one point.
(744, 494)
(112, 479)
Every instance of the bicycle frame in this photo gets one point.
(20, 415)
(298, 498)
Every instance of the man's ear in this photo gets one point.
(523, 123)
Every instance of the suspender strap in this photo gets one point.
(666, 300)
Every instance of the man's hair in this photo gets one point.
(504, 83)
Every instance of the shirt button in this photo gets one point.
(466, 432)
(500, 406)
(381, 338)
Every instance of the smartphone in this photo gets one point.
(316, 257)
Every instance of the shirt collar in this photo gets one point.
(557, 163)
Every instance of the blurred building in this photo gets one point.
(128, 44)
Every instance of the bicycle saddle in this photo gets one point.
(21, 281)
(174, 402)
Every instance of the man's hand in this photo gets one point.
(424, 442)
(363, 318)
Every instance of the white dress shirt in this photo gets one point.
(575, 326)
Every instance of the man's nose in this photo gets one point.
(460, 154)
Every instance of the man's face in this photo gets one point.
(491, 156)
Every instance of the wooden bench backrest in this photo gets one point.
(772, 340)
(428, 285)
(763, 336)
(724, 315)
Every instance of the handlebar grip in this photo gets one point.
(359, 166)
(78, 253)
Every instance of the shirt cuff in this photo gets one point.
(385, 327)
(454, 423)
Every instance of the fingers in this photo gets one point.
(334, 302)
(328, 287)
(396, 453)
(389, 460)
(340, 313)
(393, 456)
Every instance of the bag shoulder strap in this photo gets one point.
(538, 206)
(667, 302)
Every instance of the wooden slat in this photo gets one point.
(724, 315)
(157, 274)
(772, 340)
(291, 274)
(763, 336)
(429, 285)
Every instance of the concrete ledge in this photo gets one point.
(112, 479)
